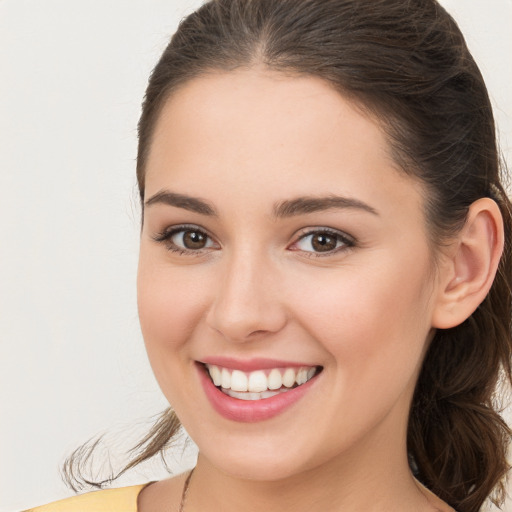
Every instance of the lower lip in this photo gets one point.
(250, 411)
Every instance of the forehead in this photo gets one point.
(255, 129)
(262, 106)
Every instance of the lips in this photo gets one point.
(239, 394)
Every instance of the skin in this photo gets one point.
(245, 142)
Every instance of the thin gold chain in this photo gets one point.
(186, 485)
(185, 491)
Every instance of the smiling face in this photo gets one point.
(279, 243)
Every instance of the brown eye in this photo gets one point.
(323, 242)
(186, 239)
(194, 239)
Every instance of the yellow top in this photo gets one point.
(123, 499)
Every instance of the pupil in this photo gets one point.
(194, 240)
(324, 243)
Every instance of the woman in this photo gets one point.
(325, 266)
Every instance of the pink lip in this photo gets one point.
(251, 365)
(250, 411)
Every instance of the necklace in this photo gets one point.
(185, 491)
(186, 485)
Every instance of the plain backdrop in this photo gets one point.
(72, 361)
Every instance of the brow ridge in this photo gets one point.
(288, 208)
(190, 203)
(304, 205)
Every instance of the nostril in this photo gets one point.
(256, 333)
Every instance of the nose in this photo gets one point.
(248, 304)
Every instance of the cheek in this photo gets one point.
(374, 327)
(372, 321)
(171, 305)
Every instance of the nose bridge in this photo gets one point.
(246, 302)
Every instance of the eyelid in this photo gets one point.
(166, 235)
(348, 240)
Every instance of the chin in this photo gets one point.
(262, 456)
(252, 466)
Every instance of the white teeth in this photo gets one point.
(274, 379)
(225, 379)
(251, 396)
(241, 395)
(258, 384)
(268, 394)
(289, 377)
(216, 375)
(302, 376)
(238, 381)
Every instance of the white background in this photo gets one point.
(72, 362)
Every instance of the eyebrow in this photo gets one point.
(193, 204)
(288, 208)
(304, 205)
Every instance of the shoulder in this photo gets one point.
(123, 499)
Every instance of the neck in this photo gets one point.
(372, 476)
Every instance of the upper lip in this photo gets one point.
(250, 365)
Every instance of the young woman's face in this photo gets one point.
(280, 243)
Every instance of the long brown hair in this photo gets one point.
(408, 65)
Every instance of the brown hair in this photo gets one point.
(408, 65)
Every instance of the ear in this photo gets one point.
(469, 266)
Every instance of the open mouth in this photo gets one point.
(259, 384)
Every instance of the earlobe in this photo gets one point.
(468, 270)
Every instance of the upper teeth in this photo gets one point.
(260, 380)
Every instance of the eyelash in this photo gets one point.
(348, 242)
(166, 236)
